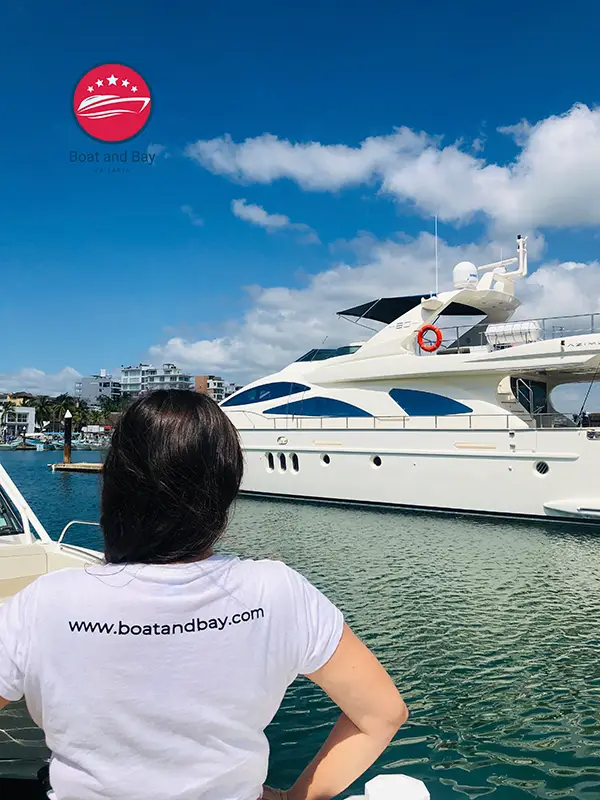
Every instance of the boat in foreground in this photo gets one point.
(26, 549)
(420, 415)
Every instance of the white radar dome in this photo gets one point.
(464, 275)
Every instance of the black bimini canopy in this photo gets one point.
(387, 309)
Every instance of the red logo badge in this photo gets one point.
(112, 102)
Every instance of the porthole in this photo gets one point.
(376, 461)
(282, 462)
(295, 462)
(325, 459)
(270, 462)
(542, 468)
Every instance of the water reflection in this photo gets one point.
(489, 628)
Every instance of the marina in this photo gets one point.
(488, 627)
(326, 292)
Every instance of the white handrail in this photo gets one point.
(549, 331)
(75, 522)
(499, 421)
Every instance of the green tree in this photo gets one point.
(5, 410)
(96, 417)
(43, 410)
(60, 405)
(81, 414)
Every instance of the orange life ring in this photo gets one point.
(429, 348)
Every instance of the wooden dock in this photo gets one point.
(81, 466)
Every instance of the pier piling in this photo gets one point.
(68, 437)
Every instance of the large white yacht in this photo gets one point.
(423, 415)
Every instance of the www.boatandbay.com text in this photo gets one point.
(195, 625)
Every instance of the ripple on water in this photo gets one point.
(490, 629)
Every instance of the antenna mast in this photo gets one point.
(436, 256)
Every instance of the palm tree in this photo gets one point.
(6, 409)
(43, 410)
(60, 405)
(81, 414)
(96, 417)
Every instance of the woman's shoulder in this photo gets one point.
(269, 567)
(274, 574)
(58, 580)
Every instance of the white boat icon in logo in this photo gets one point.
(110, 105)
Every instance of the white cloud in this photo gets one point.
(36, 381)
(553, 181)
(312, 165)
(257, 215)
(283, 322)
(192, 216)
(561, 289)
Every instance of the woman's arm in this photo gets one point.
(3, 703)
(372, 712)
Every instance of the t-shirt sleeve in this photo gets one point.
(15, 631)
(318, 622)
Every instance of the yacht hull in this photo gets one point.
(526, 472)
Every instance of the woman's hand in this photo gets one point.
(273, 794)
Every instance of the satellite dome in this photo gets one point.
(464, 275)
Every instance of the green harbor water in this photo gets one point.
(491, 630)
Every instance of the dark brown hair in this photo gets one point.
(172, 472)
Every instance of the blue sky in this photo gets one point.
(99, 268)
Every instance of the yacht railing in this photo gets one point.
(75, 522)
(488, 422)
(459, 338)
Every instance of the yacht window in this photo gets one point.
(417, 403)
(268, 391)
(323, 354)
(8, 519)
(317, 355)
(319, 407)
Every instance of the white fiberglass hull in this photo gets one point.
(529, 472)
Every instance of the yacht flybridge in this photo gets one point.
(429, 414)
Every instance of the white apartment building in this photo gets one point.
(230, 388)
(19, 421)
(146, 378)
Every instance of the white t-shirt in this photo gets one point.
(158, 681)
